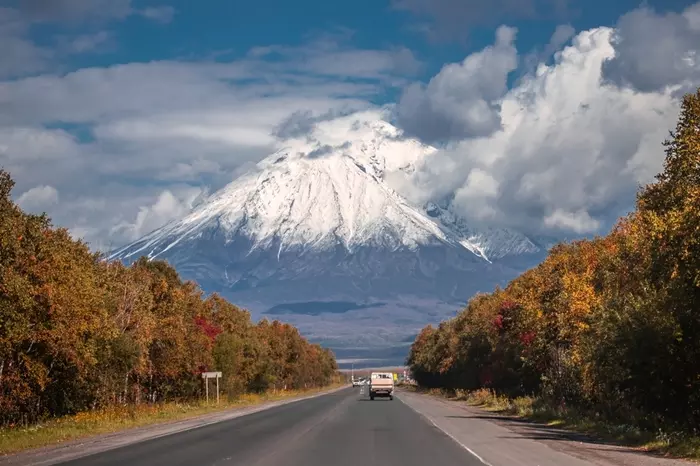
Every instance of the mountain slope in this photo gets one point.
(316, 221)
(501, 245)
(319, 211)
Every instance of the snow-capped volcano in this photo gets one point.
(316, 221)
(308, 197)
(317, 194)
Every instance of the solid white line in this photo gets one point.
(425, 416)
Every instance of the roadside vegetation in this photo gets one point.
(116, 418)
(80, 334)
(605, 333)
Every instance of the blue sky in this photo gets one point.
(116, 115)
(225, 30)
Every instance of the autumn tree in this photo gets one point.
(80, 332)
(610, 325)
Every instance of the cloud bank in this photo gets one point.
(463, 99)
(570, 143)
(114, 152)
(131, 146)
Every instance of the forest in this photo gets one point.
(79, 332)
(609, 325)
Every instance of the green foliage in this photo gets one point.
(610, 325)
(78, 332)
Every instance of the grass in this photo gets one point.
(673, 444)
(119, 418)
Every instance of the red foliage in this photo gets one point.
(527, 338)
(498, 322)
(508, 306)
(506, 314)
(210, 330)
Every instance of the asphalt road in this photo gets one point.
(342, 428)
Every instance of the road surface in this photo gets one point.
(343, 428)
(346, 428)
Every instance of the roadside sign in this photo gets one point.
(211, 375)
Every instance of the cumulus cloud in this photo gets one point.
(168, 206)
(37, 198)
(562, 34)
(462, 100)
(126, 145)
(120, 213)
(656, 51)
(569, 155)
(130, 146)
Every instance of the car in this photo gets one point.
(381, 384)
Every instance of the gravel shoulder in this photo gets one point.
(502, 440)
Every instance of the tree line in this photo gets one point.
(79, 332)
(609, 325)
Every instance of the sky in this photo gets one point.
(117, 116)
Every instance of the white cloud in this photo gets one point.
(130, 146)
(561, 35)
(37, 198)
(579, 222)
(454, 19)
(162, 14)
(569, 156)
(28, 143)
(87, 42)
(168, 206)
(462, 99)
(22, 55)
(19, 54)
(656, 51)
(134, 139)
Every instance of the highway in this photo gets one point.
(342, 428)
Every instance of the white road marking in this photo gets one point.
(475, 454)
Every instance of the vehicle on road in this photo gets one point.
(381, 384)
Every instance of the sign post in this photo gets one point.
(211, 375)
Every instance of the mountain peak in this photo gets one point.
(373, 143)
(320, 191)
(317, 222)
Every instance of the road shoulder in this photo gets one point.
(500, 440)
(90, 445)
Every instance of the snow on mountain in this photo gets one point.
(317, 222)
(316, 194)
(491, 243)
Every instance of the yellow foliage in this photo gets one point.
(612, 322)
